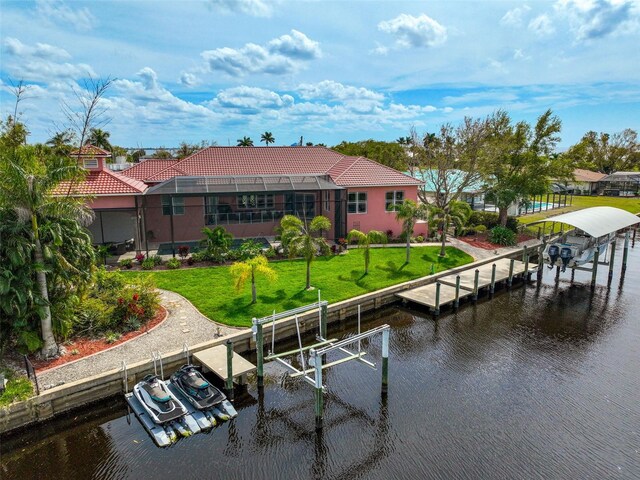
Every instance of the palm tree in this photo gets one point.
(365, 241)
(242, 271)
(245, 142)
(409, 212)
(298, 236)
(267, 138)
(456, 213)
(61, 142)
(26, 185)
(99, 138)
(217, 242)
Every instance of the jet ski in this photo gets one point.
(155, 397)
(190, 382)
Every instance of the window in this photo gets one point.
(178, 205)
(262, 200)
(90, 163)
(327, 200)
(392, 199)
(357, 202)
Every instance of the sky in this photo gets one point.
(219, 70)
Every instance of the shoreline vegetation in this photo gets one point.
(338, 277)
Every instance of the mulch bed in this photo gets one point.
(88, 346)
(482, 241)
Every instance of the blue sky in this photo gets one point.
(329, 71)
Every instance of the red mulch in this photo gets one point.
(88, 346)
(482, 241)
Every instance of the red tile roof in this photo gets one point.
(103, 182)
(148, 168)
(344, 171)
(581, 175)
(90, 150)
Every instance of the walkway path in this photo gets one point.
(184, 324)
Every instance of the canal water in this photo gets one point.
(543, 381)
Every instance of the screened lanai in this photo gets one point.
(247, 206)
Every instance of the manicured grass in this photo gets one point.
(338, 277)
(18, 388)
(579, 202)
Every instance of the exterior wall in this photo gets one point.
(377, 217)
(124, 201)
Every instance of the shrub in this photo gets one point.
(191, 260)
(389, 234)
(140, 257)
(173, 264)
(480, 228)
(270, 252)
(128, 263)
(197, 257)
(419, 239)
(28, 341)
(148, 264)
(183, 251)
(490, 220)
(112, 337)
(157, 260)
(502, 236)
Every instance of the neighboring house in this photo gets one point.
(473, 193)
(621, 184)
(585, 182)
(247, 190)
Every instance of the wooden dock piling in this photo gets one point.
(229, 382)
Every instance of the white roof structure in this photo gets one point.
(596, 221)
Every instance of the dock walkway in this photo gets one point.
(426, 295)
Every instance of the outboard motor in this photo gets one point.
(565, 256)
(554, 253)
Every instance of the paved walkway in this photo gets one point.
(184, 324)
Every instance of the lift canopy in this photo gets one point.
(596, 221)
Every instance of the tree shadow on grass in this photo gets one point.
(276, 297)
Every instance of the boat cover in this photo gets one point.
(596, 221)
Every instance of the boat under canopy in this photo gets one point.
(596, 221)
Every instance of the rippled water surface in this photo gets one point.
(540, 382)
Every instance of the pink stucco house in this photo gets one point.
(245, 189)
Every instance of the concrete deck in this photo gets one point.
(215, 360)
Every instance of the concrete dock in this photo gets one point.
(426, 295)
(215, 360)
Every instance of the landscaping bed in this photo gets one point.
(481, 240)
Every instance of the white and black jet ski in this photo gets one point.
(201, 394)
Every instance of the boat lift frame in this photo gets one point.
(318, 351)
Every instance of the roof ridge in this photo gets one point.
(132, 182)
(349, 167)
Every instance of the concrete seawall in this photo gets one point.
(69, 396)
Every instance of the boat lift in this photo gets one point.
(318, 351)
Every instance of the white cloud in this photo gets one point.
(591, 19)
(282, 55)
(59, 12)
(542, 25)
(38, 63)
(515, 16)
(251, 99)
(189, 79)
(256, 8)
(410, 31)
(357, 99)
(13, 46)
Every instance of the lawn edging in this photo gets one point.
(69, 396)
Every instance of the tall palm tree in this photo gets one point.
(217, 242)
(409, 212)
(99, 138)
(61, 142)
(26, 186)
(248, 269)
(455, 213)
(267, 138)
(245, 142)
(365, 241)
(300, 240)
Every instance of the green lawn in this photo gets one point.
(18, 388)
(579, 202)
(338, 277)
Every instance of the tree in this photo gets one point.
(606, 153)
(245, 142)
(62, 142)
(13, 133)
(266, 137)
(300, 240)
(248, 269)
(409, 212)
(455, 213)
(217, 242)
(365, 241)
(162, 153)
(518, 161)
(27, 180)
(99, 138)
(391, 154)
